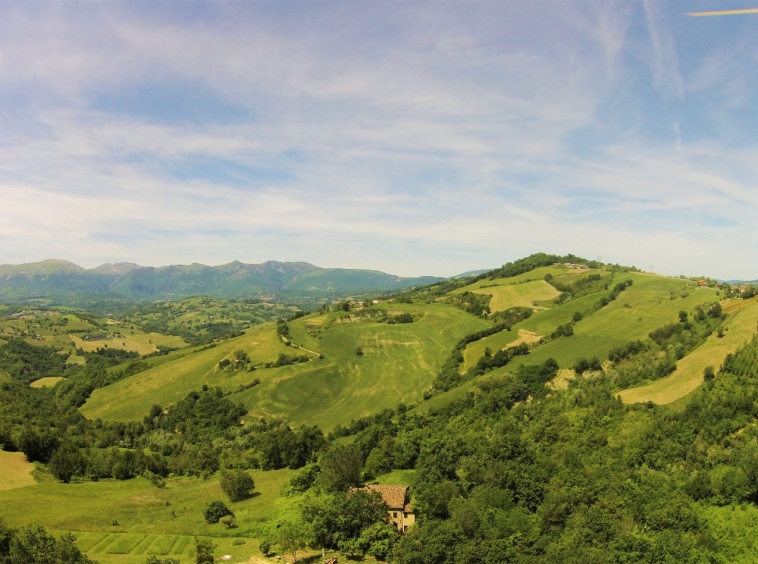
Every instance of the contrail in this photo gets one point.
(725, 12)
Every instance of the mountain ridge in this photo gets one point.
(56, 278)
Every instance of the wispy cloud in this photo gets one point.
(414, 138)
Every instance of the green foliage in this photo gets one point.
(34, 545)
(338, 520)
(237, 484)
(152, 559)
(203, 551)
(341, 468)
(215, 510)
(30, 362)
(265, 547)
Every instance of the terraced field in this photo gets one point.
(507, 296)
(741, 328)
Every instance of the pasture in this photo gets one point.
(16, 471)
(689, 370)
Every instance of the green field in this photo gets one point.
(47, 382)
(399, 362)
(148, 520)
(741, 327)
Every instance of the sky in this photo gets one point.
(417, 138)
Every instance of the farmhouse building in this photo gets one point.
(400, 510)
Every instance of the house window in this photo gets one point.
(405, 528)
(394, 514)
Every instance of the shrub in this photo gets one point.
(215, 510)
(237, 484)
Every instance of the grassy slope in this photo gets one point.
(689, 372)
(150, 520)
(169, 381)
(399, 363)
(16, 471)
(506, 296)
(650, 306)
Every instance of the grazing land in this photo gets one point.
(741, 328)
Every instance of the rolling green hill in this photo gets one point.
(398, 364)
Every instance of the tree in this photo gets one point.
(237, 484)
(265, 547)
(155, 560)
(228, 520)
(203, 551)
(341, 468)
(683, 316)
(708, 373)
(66, 462)
(215, 510)
(291, 539)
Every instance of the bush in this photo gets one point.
(708, 373)
(215, 510)
(265, 547)
(237, 484)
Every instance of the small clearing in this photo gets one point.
(16, 471)
(741, 327)
(47, 382)
(507, 296)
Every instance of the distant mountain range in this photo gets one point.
(60, 279)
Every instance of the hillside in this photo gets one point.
(497, 396)
(62, 281)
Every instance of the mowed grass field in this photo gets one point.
(398, 363)
(142, 343)
(15, 471)
(47, 382)
(688, 375)
(507, 296)
(125, 521)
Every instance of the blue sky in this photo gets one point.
(410, 137)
